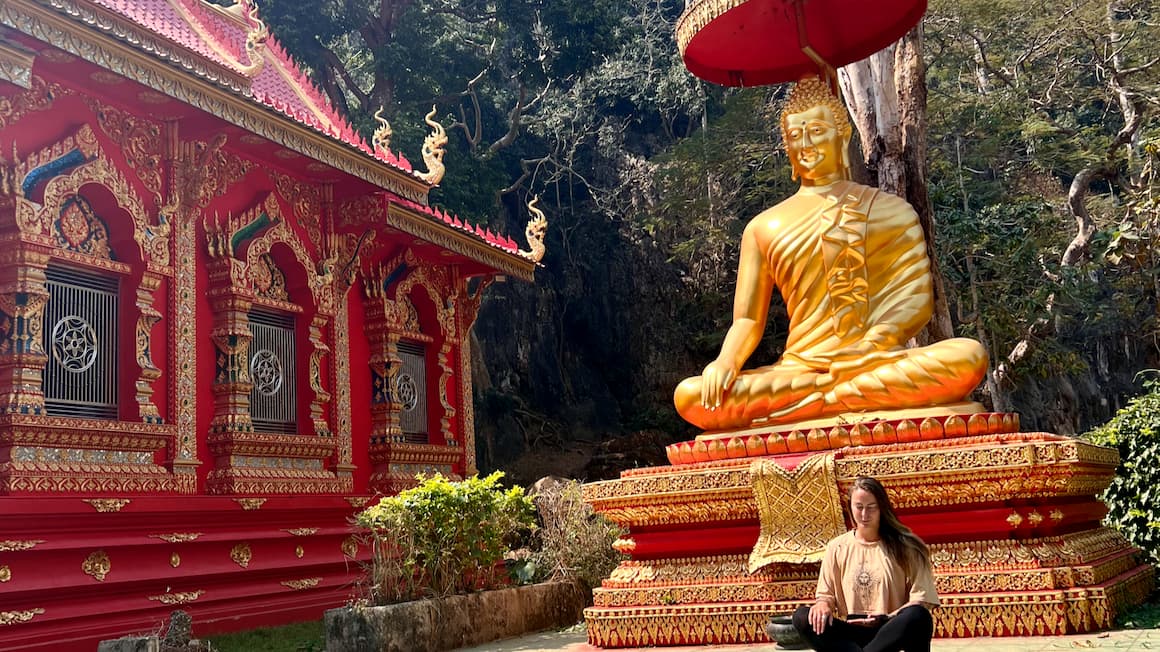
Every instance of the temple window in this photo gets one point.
(273, 404)
(80, 337)
(411, 388)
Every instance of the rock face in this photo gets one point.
(454, 622)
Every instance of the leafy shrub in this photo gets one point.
(444, 537)
(1133, 497)
(574, 542)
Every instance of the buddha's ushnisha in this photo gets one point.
(850, 263)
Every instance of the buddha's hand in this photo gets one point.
(716, 379)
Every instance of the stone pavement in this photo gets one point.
(574, 640)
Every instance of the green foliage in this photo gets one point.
(574, 542)
(299, 637)
(444, 537)
(1133, 497)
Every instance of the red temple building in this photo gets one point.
(226, 322)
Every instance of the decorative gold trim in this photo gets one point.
(303, 531)
(1014, 520)
(97, 565)
(174, 560)
(177, 537)
(11, 545)
(358, 502)
(699, 14)
(300, 585)
(250, 504)
(178, 598)
(241, 554)
(15, 617)
(16, 64)
(298, 552)
(5, 574)
(107, 505)
(423, 226)
(153, 67)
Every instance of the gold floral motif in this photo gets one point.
(350, 547)
(250, 504)
(1014, 519)
(5, 574)
(14, 617)
(174, 560)
(299, 585)
(106, 505)
(303, 531)
(38, 97)
(1056, 515)
(10, 545)
(241, 554)
(178, 598)
(299, 552)
(177, 537)
(1034, 518)
(97, 565)
(358, 502)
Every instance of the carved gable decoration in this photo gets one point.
(78, 228)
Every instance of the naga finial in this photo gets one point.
(381, 139)
(433, 151)
(534, 232)
(255, 41)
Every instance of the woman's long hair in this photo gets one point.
(903, 545)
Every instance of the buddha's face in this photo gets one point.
(815, 146)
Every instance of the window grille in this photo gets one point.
(411, 391)
(272, 356)
(80, 338)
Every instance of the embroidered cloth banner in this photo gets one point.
(800, 511)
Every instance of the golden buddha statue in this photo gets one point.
(850, 262)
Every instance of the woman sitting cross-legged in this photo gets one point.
(876, 585)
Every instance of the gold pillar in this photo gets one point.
(147, 318)
(23, 296)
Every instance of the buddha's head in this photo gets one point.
(816, 131)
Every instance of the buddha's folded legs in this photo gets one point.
(938, 374)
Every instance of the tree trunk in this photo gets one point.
(886, 95)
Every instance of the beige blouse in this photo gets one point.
(861, 578)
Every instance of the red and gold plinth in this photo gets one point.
(1011, 519)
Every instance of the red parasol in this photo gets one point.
(755, 42)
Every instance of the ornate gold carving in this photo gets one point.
(433, 149)
(5, 574)
(303, 531)
(350, 547)
(147, 318)
(302, 584)
(184, 597)
(422, 226)
(97, 565)
(298, 552)
(174, 559)
(534, 232)
(800, 511)
(105, 505)
(381, 139)
(1056, 515)
(38, 97)
(140, 142)
(358, 502)
(16, 64)
(9, 545)
(241, 554)
(1014, 520)
(250, 503)
(15, 617)
(164, 70)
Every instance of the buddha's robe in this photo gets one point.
(852, 269)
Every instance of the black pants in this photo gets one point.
(910, 630)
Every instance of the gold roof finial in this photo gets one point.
(433, 150)
(534, 232)
(381, 139)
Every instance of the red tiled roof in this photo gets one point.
(219, 35)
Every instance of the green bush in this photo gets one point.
(574, 542)
(1133, 497)
(444, 537)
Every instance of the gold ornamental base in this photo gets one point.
(1011, 518)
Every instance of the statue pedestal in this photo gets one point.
(1011, 519)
